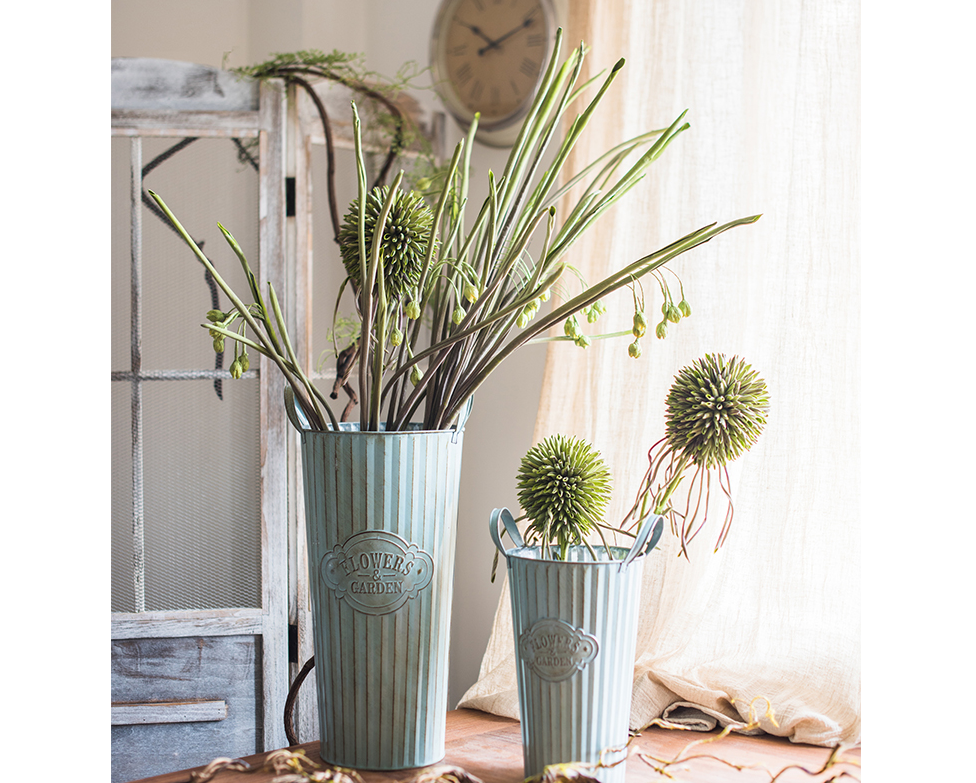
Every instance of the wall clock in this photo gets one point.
(488, 56)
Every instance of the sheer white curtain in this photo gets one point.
(772, 88)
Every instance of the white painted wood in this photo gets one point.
(306, 718)
(153, 83)
(135, 714)
(135, 363)
(274, 462)
(146, 122)
(201, 622)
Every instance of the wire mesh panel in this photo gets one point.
(185, 441)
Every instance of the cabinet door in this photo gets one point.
(199, 460)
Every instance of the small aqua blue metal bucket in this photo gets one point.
(575, 625)
(381, 513)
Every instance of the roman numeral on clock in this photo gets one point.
(528, 67)
(464, 74)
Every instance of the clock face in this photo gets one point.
(489, 56)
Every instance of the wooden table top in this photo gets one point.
(490, 748)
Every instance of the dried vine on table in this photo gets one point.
(295, 766)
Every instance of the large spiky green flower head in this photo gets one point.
(563, 487)
(405, 238)
(716, 410)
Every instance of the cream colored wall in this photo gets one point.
(389, 32)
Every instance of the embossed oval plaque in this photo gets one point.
(376, 572)
(555, 650)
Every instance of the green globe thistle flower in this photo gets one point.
(404, 238)
(716, 409)
(563, 487)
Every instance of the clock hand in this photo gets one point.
(477, 31)
(494, 44)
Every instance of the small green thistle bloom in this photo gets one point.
(673, 314)
(563, 487)
(405, 238)
(716, 410)
(640, 325)
(634, 349)
(661, 331)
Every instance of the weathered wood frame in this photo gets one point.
(270, 621)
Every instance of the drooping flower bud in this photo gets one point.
(571, 327)
(523, 318)
(674, 314)
(470, 292)
(545, 295)
(216, 316)
(412, 310)
(235, 369)
(396, 337)
(458, 315)
(634, 349)
(218, 343)
(684, 307)
(245, 361)
(662, 330)
(582, 341)
(640, 325)
(415, 375)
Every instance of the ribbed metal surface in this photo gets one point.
(381, 601)
(574, 699)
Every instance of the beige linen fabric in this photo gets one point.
(772, 88)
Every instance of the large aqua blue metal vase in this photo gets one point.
(381, 512)
(575, 625)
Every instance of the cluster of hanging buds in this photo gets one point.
(241, 361)
(571, 326)
(563, 487)
(671, 312)
(404, 241)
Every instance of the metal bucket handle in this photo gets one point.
(295, 413)
(647, 537)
